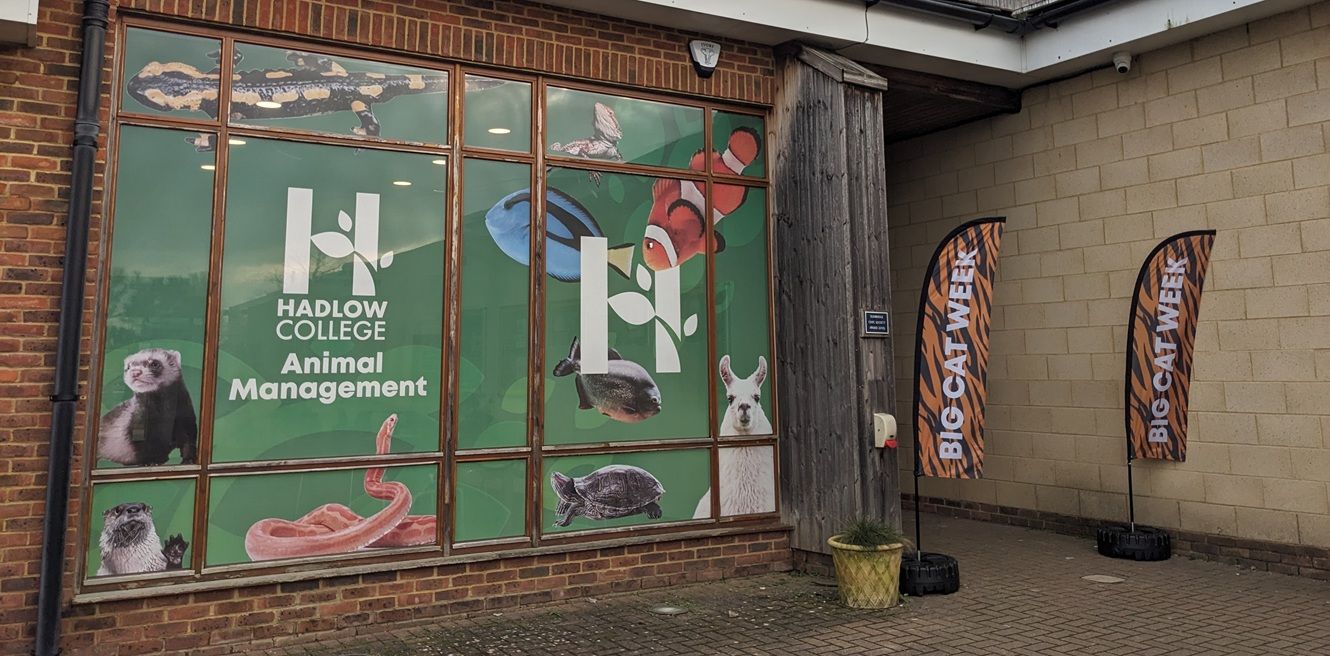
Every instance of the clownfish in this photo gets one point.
(675, 230)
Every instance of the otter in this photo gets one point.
(157, 419)
(130, 544)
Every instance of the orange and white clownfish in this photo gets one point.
(675, 231)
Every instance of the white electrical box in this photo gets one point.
(18, 23)
(884, 430)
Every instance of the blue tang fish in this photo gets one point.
(567, 222)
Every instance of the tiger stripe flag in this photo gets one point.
(1160, 335)
(951, 357)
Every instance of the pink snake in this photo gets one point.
(334, 529)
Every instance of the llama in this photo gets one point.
(747, 483)
(744, 416)
(747, 477)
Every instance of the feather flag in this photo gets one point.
(951, 358)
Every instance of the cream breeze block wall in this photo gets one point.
(1229, 132)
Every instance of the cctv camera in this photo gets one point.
(1122, 61)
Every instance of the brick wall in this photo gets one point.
(237, 621)
(511, 34)
(1229, 132)
(37, 92)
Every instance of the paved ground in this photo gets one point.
(1022, 593)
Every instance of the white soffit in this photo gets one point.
(911, 40)
(18, 22)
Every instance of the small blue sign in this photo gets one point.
(876, 323)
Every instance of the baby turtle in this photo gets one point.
(609, 492)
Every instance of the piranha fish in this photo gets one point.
(567, 221)
(626, 393)
(675, 230)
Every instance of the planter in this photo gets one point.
(867, 577)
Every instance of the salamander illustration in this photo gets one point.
(315, 85)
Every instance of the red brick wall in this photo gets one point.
(37, 93)
(508, 34)
(238, 620)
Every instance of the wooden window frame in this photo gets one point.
(197, 575)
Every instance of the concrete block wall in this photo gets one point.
(1228, 131)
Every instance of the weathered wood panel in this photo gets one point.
(866, 157)
(831, 263)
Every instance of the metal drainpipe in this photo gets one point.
(64, 400)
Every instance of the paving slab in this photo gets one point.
(1023, 592)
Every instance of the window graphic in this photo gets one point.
(373, 308)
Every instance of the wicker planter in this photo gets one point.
(867, 577)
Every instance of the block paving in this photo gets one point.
(1022, 593)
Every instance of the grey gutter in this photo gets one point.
(1019, 23)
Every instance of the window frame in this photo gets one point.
(196, 572)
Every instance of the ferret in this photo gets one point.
(157, 419)
(130, 544)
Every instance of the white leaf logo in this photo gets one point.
(643, 278)
(344, 221)
(333, 244)
(690, 325)
(386, 261)
(632, 307)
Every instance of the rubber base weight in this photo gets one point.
(1146, 543)
(929, 573)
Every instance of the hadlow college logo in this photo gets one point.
(363, 243)
(632, 307)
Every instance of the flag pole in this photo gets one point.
(918, 523)
(1131, 490)
(1131, 497)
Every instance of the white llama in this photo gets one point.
(744, 416)
(747, 475)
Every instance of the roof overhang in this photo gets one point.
(18, 23)
(920, 42)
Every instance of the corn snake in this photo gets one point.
(334, 528)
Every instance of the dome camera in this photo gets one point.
(1122, 61)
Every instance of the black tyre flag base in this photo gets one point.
(929, 573)
(1144, 543)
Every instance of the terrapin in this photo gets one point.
(609, 492)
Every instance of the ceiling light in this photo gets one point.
(236, 142)
(402, 183)
(440, 162)
(208, 167)
(500, 131)
(268, 104)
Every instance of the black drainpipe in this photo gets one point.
(64, 400)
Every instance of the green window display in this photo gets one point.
(498, 113)
(745, 395)
(639, 298)
(141, 528)
(492, 386)
(491, 500)
(299, 90)
(171, 74)
(331, 301)
(156, 301)
(590, 492)
(288, 515)
(739, 139)
(320, 324)
(603, 128)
